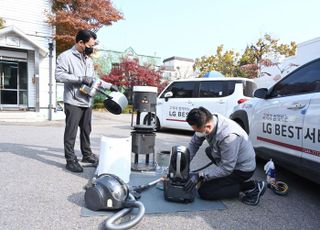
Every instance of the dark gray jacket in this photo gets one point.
(229, 146)
(71, 67)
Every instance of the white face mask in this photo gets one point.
(200, 134)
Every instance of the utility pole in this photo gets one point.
(50, 80)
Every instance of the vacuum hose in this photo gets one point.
(279, 188)
(109, 224)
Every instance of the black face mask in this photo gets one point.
(88, 51)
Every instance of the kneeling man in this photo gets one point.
(231, 152)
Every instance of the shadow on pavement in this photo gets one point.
(34, 152)
(44, 155)
(77, 198)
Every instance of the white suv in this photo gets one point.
(284, 122)
(218, 95)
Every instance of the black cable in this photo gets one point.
(206, 166)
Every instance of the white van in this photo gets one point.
(218, 95)
(283, 122)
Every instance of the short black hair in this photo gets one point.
(199, 117)
(85, 35)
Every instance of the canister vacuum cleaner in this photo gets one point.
(109, 192)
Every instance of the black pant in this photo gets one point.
(226, 187)
(77, 116)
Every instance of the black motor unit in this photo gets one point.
(178, 176)
(108, 192)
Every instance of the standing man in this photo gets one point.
(74, 68)
(231, 152)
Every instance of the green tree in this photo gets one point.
(224, 62)
(2, 22)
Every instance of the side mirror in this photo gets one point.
(167, 95)
(261, 93)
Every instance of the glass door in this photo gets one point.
(13, 84)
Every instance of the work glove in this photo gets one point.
(87, 80)
(114, 88)
(192, 182)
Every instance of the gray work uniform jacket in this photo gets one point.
(71, 67)
(229, 146)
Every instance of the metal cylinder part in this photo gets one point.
(143, 150)
(145, 98)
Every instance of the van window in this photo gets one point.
(304, 80)
(180, 90)
(216, 88)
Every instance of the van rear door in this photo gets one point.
(215, 95)
(172, 111)
(311, 138)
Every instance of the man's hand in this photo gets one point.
(192, 182)
(87, 80)
(114, 88)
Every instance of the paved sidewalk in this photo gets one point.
(37, 192)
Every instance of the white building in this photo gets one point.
(24, 58)
(177, 68)
(306, 51)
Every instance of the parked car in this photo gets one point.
(283, 122)
(218, 95)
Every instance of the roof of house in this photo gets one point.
(178, 59)
(43, 51)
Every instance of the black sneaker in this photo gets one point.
(253, 197)
(74, 166)
(93, 159)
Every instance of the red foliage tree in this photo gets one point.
(69, 16)
(129, 73)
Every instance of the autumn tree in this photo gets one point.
(265, 52)
(69, 16)
(129, 73)
(224, 62)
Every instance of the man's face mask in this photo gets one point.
(200, 134)
(87, 47)
(88, 51)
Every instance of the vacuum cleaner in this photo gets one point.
(109, 192)
(115, 102)
(178, 176)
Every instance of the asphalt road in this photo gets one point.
(36, 191)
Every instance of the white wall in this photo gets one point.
(184, 69)
(31, 85)
(178, 69)
(29, 17)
